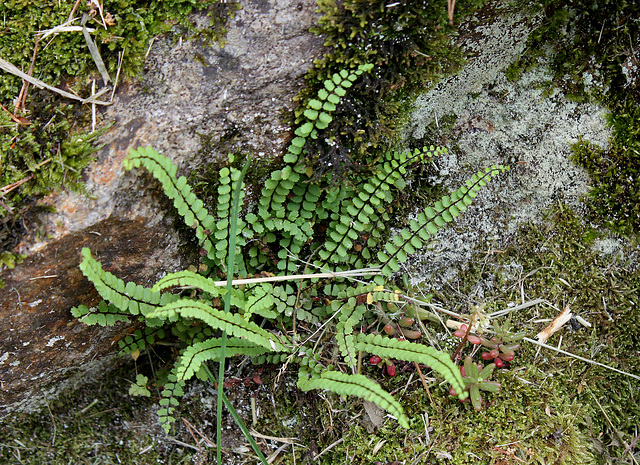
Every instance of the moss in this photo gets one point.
(100, 423)
(558, 260)
(411, 46)
(50, 152)
(615, 172)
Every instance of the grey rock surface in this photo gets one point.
(491, 120)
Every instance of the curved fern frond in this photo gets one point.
(196, 354)
(440, 362)
(316, 116)
(129, 297)
(191, 208)
(428, 222)
(231, 323)
(188, 278)
(353, 385)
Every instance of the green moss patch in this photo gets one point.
(51, 147)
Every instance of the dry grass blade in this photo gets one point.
(269, 279)
(64, 27)
(93, 49)
(9, 68)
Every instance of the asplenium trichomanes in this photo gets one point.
(299, 223)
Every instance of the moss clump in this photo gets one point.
(615, 196)
(131, 25)
(411, 46)
(536, 418)
(100, 423)
(593, 50)
(559, 260)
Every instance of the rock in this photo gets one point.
(525, 124)
(44, 350)
(233, 97)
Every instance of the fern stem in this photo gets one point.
(233, 224)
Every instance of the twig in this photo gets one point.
(331, 446)
(93, 106)
(268, 279)
(424, 382)
(193, 429)
(22, 97)
(9, 187)
(9, 68)
(564, 352)
(115, 83)
(73, 10)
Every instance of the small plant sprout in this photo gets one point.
(502, 345)
(475, 377)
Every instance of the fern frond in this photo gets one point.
(350, 314)
(104, 315)
(200, 352)
(191, 208)
(188, 278)
(427, 223)
(259, 299)
(366, 207)
(440, 362)
(353, 385)
(129, 297)
(316, 116)
(231, 323)
(229, 178)
(174, 388)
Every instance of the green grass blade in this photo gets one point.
(237, 418)
(235, 210)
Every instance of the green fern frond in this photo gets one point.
(350, 315)
(197, 354)
(104, 315)
(232, 324)
(191, 208)
(174, 388)
(353, 385)
(440, 362)
(229, 178)
(259, 300)
(129, 297)
(188, 278)
(316, 116)
(427, 223)
(366, 208)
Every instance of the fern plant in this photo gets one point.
(297, 223)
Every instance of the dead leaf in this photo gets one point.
(555, 325)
